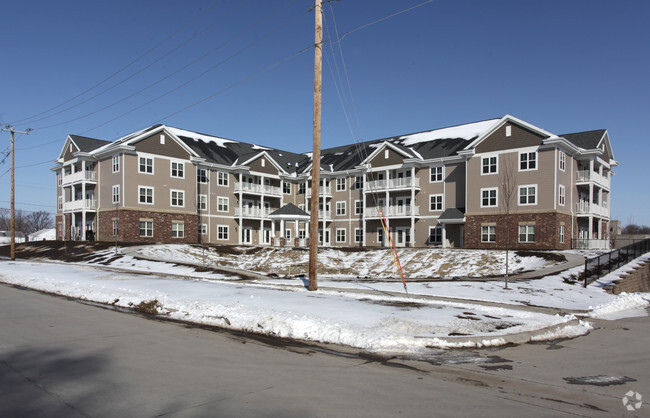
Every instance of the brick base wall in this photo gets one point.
(129, 226)
(547, 231)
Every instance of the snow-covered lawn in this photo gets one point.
(357, 313)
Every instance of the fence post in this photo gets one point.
(586, 261)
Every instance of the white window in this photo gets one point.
(358, 182)
(358, 207)
(286, 188)
(508, 130)
(162, 139)
(340, 208)
(59, 179)
(562, 195)
(222, 232)
(386, 154)
(435, 174)
(287, 234)
(222, 179)
(528, 195)
(562, 233)
(201, 175)
(178, 229)
(116, 227)
(203, 202)
(116, 163)
(489, 165)
(562, 161)
(203, 229)
(435, 234)
(340, 235)
(177, 198)
(489, 197)
(435, 202)
(526, 233)
(358, 235)
(178, 170)
(527, 161)
(146, 228)
(340, 184)
(380, 235)
(302, 233)
(222, 204)
(146, 165)
(301, 188)
(145, 195)
(60, 203)
(488, 233)
(116, 194)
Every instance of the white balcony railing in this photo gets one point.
(586, 176)
(586, 208)
(393, 211)
(252, 212)
(322, 191)
(81, 204)
(80, 176)
(258, 189)
(393, 184)
(591, 244)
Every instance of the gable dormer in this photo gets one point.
(263, 163)
(69, 149)
(510, 135)
(386, 154)
(162, 143)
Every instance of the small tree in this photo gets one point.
(508, 192)
(38, 220)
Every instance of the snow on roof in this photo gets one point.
(200, 137)
(467, 131)
(259, 147)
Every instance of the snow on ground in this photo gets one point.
(355, 312)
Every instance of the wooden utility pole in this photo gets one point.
(11, 130)
(315, 167)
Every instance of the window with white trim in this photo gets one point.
(145, 195)
(287, 234)
(562, 233)
(203, 202)
(358, 182)
(286, 188)
(115, 163)
(178, 170)
(526, 233)
(177, 198)
(59, 179)
(146, 165)
(222, 232)
(116, 193)
(435, 174)
(561, 195)
(146, 228)
(222, 204)
(358, 235)
(528, 195)
(488, 233)
(562, 158)
(435, 235)
(358, 207)
(302, 234)
(222, 179)
(340, 208)
(489, 165)
(340, 184)
(178, 229)
(116, 227)
(435, 202)
(301, 188)
(489, 197)
(201, 175)
(60, 203)
(340, 235)
(527, 161)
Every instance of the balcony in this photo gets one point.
(588, 176)
(80, 176)
(586, 208)
(261, 189)
(81, 204)
(322, 191)
(393, 211)
(253, 212)
(392, 184)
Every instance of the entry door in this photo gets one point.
(403, 236)
(327, 236)
(247, 235)
(267, 235)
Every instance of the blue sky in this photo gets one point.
(565, 66)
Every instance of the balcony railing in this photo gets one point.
(258, 189)
(586, 176)
(80, 176)
(591, 244)
(252, 212)
(322, 191)
(393, 211)
(81, 204)
(586, 208)
(393, 184)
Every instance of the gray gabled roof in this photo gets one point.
(289, 210)
(585, 140)
(86, 144)
(452, 214)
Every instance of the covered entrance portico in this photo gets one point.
(288, 219)
(453, 228)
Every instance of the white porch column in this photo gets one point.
(272, 232)
(445, 244)
(295, 235)
(281, 228)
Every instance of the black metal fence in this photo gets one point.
(597, 266)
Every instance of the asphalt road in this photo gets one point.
(63, 358)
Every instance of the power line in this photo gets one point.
(123, 68)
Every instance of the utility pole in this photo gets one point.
(11, 130)
(315, 167)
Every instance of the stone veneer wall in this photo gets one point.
(547, 231)
(129, 226)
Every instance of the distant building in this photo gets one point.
(435, 188)
(48, 234)
(5, 237)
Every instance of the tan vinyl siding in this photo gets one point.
(380, 159)
(170, 148)
(269, 167)
(498, 141)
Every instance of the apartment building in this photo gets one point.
(442, 188)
